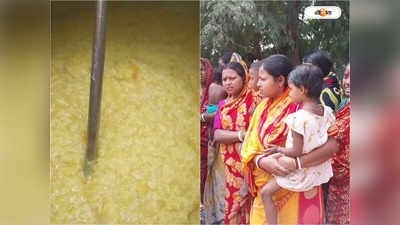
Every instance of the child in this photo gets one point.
(216, 92)
(308, 129)
(253, 74)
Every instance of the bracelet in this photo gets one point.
(298, 162)
(240, 136)
(258, 158)
(202, 118)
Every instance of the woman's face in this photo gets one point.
(221, 62)
(203, 74)
(346, 81)
(232, 82)
(269, 86)
(253, 74)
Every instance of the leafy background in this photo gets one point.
(257, 29)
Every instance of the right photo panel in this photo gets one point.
(275, 112)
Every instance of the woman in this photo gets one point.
(230, 124)
(338, 202)
(268, 126)
(231, 57)
(330, 95)
(213, 201)
(206, 78)
(225, 58)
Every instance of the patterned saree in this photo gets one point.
(203, 126)
(338, 203)
(268, 126)
(234, 115)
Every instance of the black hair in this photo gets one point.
(217, 73)
(320, 59)
(226, 57)
(256, 65)
(277, 65)
(238, 68)
(308, 76)
(203, 62)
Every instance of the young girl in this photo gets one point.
(253, 74)
(216, 92)
(308, 129)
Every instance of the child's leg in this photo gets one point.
(267, 192)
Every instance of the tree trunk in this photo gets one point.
(292, 31)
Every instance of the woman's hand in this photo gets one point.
(207, 118)
(211, 142)
(251, 110)
(228, 137)
(320, 154)
(272, 165)
(203, 118)
(271, 149)
(244, 190)
(242, 134)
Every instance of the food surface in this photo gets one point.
(147, 170)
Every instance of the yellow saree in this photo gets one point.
(267, 126)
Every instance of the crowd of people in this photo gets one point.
(274, 141)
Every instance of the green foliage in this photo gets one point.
(226, 26)
(256, 29)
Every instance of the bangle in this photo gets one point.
(240, 136)
(258, 158)
(202, 118)
(298, 162)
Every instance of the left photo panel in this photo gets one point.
(137, 160)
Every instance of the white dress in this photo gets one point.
(314, 129)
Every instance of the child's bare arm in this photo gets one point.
(216, 94)
(209, 117)
(220, 94)
(297, 148)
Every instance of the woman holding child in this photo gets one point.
(267, 126)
